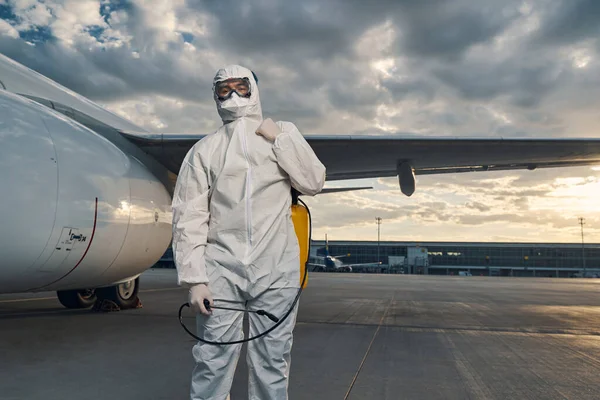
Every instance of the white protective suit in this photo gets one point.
(232, 230)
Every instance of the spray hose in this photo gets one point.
(278, 321)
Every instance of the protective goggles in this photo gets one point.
(224, 89)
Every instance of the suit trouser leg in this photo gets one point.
(269, 357)
(215, 365)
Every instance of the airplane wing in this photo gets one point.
(363, 156)
(345, 156)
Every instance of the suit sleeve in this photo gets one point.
(190, 221)
(298, 159)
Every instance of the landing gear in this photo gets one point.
(77, 298)
(111, 298)
(123, 295)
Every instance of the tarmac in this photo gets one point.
(357, 337)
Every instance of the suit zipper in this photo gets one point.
(248, 191)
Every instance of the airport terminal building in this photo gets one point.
(454, 258)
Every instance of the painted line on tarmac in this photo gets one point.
(31, 299)
(54, 298)
(362, 363)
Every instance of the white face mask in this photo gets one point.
(233, 108)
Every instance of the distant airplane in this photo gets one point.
(86, 194)
(329, 263)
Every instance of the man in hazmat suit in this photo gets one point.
(234, 240)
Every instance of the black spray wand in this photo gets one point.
(259, 312)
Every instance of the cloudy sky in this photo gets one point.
(431, 67)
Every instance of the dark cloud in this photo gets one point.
(108, 74)
(418, 88)
(525, 84)
(433, 28)
(288, 31)
(521, 203)
(569, 21)
(450, 119)
(51, 59)
(478, 206)
(359, 99)
(447, 29)
(543, 118)
(318, 40)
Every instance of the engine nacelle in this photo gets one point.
(77, 212)
(406, 178)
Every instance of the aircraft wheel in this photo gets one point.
(77, 298)
(124, 295)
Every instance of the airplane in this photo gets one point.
(329, 263)
(87, 193)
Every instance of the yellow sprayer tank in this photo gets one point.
(302, 227)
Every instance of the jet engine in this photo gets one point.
(77, 212)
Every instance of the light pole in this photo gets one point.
(378, 219)
(582, 222)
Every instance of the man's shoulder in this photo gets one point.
(210, 139)
(286, 126)
(203, 146)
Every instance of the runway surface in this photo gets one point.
(357, 337)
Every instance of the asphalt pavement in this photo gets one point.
(357, 337)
